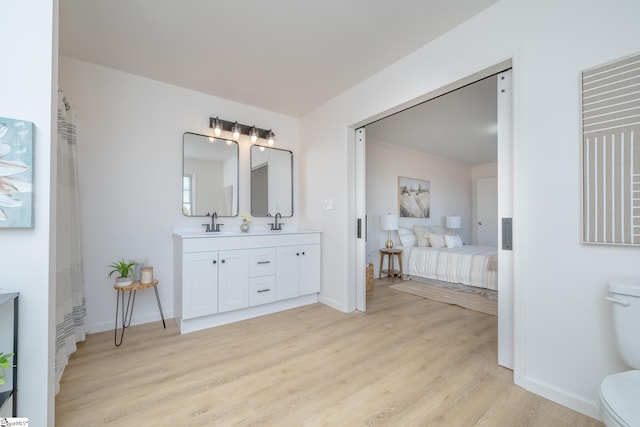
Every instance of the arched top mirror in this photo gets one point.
(271, 181)
(209, 175)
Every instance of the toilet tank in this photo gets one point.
(625, 307)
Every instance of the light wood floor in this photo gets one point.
(408, 361)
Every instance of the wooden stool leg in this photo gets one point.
(392, 268)
(400, 263)
(381, 262)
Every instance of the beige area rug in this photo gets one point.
(482, 300)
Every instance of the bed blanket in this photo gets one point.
(469, 265)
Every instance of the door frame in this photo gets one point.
(507, 318)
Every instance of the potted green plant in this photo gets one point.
(124, 269)
(4, 364)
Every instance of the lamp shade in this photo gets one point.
(389, 222)
(454, 221)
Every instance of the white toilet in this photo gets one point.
(620, 393)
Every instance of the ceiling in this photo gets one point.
(460, 125)
(286, 56)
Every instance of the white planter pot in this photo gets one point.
(123, 281)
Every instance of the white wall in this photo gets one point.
(27, 261)
(450, 191)
(130, 168)
(563, 328)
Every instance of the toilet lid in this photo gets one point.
(620, 392)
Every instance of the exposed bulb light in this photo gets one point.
(217, 129)
(229, 142)
(261, 148)
(212, 139)
(236, 131)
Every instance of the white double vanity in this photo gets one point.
(223, 277)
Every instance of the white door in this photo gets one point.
(505, 210)
(487, 211)
(361, 221)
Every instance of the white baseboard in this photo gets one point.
(94, 328)
(218, 319)
(562, 397)
(331, 303)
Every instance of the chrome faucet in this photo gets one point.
(213, 227)
(276, 226)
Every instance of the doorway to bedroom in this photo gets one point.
(456, 146)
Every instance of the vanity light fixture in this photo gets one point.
(236, 129)
(217, 127)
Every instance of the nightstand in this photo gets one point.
(391, 272)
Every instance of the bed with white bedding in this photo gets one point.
(470, 265)
(446, 258)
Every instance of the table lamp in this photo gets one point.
(453, 222)
(389, 223)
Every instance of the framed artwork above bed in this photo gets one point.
(414, 197)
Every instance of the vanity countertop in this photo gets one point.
(191, 234)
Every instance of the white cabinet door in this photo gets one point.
(287, 272)
(309, 269)
(298, 271)
(233, 284)
(199, 284)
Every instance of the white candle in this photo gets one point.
(146, 275)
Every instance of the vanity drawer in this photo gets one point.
(262, 262)
(262, 290)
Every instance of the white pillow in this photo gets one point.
(421, 236)
(407, 237)
(453, 241)
(437, 240)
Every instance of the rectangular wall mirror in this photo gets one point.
(209, 175)
(271, 181)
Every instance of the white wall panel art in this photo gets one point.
(611, 152)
